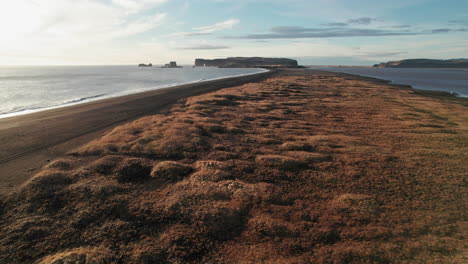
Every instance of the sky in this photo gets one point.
(315, 32)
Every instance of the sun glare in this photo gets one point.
(18, 19)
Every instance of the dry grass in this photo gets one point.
(80, 255)
(170, 171)
(280, 162)
(296, 169)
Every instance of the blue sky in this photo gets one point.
(320, 32)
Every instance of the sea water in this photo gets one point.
(29, 89)
(448, 80)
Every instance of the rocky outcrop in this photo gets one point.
(424, 63)
(242, 62)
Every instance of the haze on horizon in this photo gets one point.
(346, 32)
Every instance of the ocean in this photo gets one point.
(28, 89)
(448, 80)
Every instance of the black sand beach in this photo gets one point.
(30, 141)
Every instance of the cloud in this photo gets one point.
(296, 32)
(382, 54)
(336, 24)
(139, 26)
(356, 21)
(463, 22)
(441, 30)
(63, 20)
(293, 32)
(135, 6)
(362, 21)
(401, 26)
(208, 30)
(205, 47)
(447, 30)
(289, 29)
(218, 26)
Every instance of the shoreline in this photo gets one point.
(429, 93)
(390, 82)
(99, 97)
(30, 141)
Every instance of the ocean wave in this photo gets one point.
(82, 99)
(34, 108)
(126, 86)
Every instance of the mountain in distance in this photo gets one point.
(246, 62)
(424, 63)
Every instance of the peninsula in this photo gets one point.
(289, 166)
(424, 63)
(247, 62)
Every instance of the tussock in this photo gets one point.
(80, 255)
(133, 170)
(61, 164)
(170, 171)
(281, 162)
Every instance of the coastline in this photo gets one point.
(30, 141)
(433, 92)
(99, 97)
(429, 93)
(302, 167)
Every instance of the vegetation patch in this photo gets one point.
(170, 171)
(132, 170)
(302, 168)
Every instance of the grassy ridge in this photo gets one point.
(296, 169)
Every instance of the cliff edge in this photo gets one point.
(242, 62)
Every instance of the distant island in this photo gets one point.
(247, 62)
(171, 64)
(424, 63)
(145, 65)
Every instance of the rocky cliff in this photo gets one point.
(424, 63)
(242, 62)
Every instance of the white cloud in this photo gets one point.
(27, 19)
(139, 26)
(51, 19)
(137, 5)
(218, 26)
(208, 30)
(70, 28)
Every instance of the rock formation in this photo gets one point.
(242, 62)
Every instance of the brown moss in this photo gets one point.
(170, 171)
(309, 157)
(80, 256)
(61, 164)
(362, 204)
(297, 146)
(106, 165)
(265, 225)
(302, 168)
(132, 170)
(48, 178)
(281, 162)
